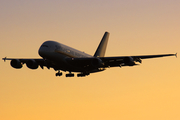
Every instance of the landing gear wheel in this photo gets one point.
(83, 74)
(70, 75)
(59, 74)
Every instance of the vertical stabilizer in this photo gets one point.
(100, 52)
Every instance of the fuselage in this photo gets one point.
(57, 53)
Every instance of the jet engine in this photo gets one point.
(96, 62)
(16, 63)
(32, 64)
(129, 61)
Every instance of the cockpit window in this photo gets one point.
(44, 46)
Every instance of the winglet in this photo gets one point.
(4, 59)
(100, 52)
(176, 55)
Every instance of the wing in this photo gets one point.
(85, 64)
(154, 56)
(103, 62)
(129, 60)
(32, 63)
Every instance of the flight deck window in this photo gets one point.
(44, 46)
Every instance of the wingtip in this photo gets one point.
(176, 55)
(4, 59)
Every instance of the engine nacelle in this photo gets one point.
(32, 64)
(96, 62)
(129, 61)
(16, 63)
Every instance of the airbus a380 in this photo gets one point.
(61, 57)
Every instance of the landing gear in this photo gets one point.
(70, 75)
(59, 73)
(82, 74)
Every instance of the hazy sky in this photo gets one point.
(137, 27)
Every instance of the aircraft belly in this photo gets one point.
(59, 63)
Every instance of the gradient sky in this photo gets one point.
(137, 27)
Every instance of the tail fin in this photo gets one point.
(100, 52)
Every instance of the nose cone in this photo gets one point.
(43, 50)
(47, 48)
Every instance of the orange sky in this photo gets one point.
(145, 92)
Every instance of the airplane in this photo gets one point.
(64, 58)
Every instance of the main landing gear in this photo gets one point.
(82, 74)
(67, 75)
(70, 75)
(59, 73)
